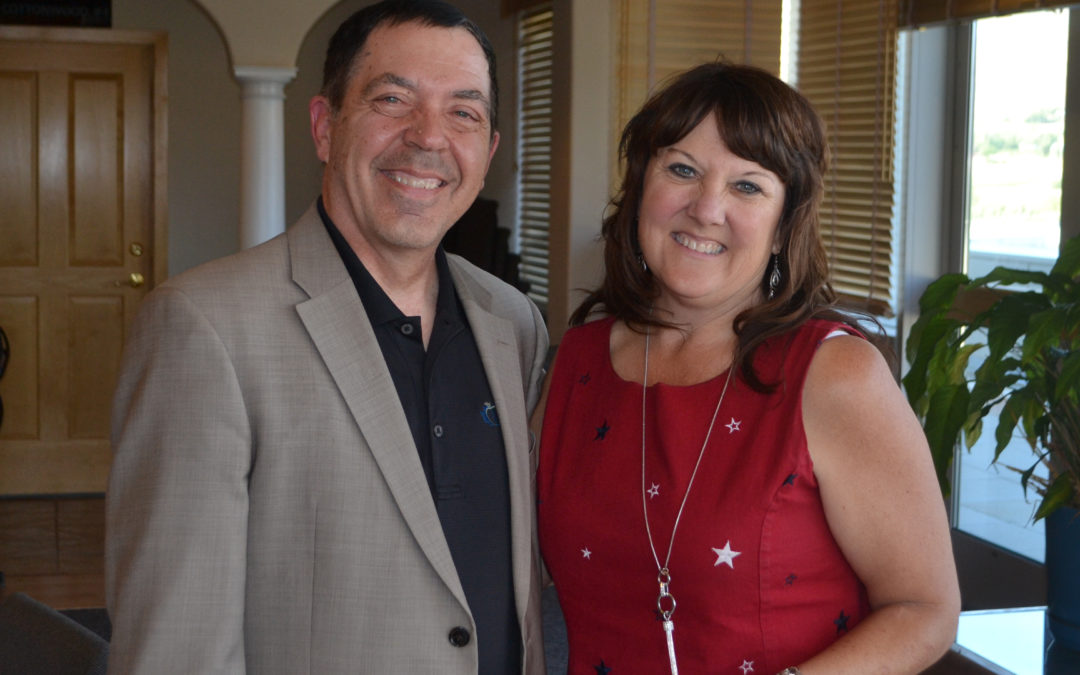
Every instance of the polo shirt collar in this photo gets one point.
(380, 309)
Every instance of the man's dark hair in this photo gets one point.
(350, 37)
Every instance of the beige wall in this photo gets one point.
(204, 129)
(581, 153)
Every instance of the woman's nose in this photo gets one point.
(709, 205)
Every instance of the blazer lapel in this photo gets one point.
(497, 344)
(338, 325)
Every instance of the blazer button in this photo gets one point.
(459, 637)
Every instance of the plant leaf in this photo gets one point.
(1068, 262)
(932, 335)
(1068, 382)
(1008, 321)
(1010, 415)
(1045, 333)
(1008, 276)
(992, 378)
(973, 430)
(1058, 494)
(939, 295)
(943, 428)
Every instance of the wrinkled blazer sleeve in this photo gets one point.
(536, 372)
(177, 499)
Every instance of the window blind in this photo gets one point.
(922, 12)
(658, 38)
(534, 146)
(847, 69)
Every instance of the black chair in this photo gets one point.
(35, 639)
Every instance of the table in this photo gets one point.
(1013, 641)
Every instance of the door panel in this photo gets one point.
(18, 172)
(96, 228)
(80, 125)
(19, 317)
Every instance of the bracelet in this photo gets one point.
(793, 670)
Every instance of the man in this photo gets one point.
(322, 461)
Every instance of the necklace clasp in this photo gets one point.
(665, 602)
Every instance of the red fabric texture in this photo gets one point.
(788, 592)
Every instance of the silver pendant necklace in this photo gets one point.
(665, 602)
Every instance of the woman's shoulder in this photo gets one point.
(847, 367)
(589, 334)
(822, 329)
(802, 342)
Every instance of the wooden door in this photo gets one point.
(82, 238)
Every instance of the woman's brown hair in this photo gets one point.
(759, 118)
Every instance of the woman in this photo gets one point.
(730, 480)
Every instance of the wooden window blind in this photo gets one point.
(922, 12)
(534, 146)
(657, 38)
(847, 69)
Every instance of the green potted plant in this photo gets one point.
(1024, 326)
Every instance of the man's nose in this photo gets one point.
(426, 129)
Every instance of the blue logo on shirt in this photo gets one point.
(489, 415)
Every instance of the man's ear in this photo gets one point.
(321, 117)
(491, 152)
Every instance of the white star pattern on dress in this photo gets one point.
(654, 490)
(725, 555)
(586, 553)
(733, 425)
(747, 666)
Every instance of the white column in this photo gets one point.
(262, 152)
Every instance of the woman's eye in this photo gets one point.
(747, 188)
(682, 171)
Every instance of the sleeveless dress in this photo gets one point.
(759, 580)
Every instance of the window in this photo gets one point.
(534, 147)
(985, 185)
(1012, 215)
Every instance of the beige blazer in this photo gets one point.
(267, 511)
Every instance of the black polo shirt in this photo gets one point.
(448, 404)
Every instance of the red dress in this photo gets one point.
(759, 580)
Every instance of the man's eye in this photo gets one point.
(682, 171)
(390, 105)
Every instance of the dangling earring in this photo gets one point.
(641, 260)
(774, 276)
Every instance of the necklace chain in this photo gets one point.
(663, 569)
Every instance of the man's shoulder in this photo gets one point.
(264, 260)
(262, 265)
(476, 278)
(499, 298)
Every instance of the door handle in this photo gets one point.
(134, 280)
